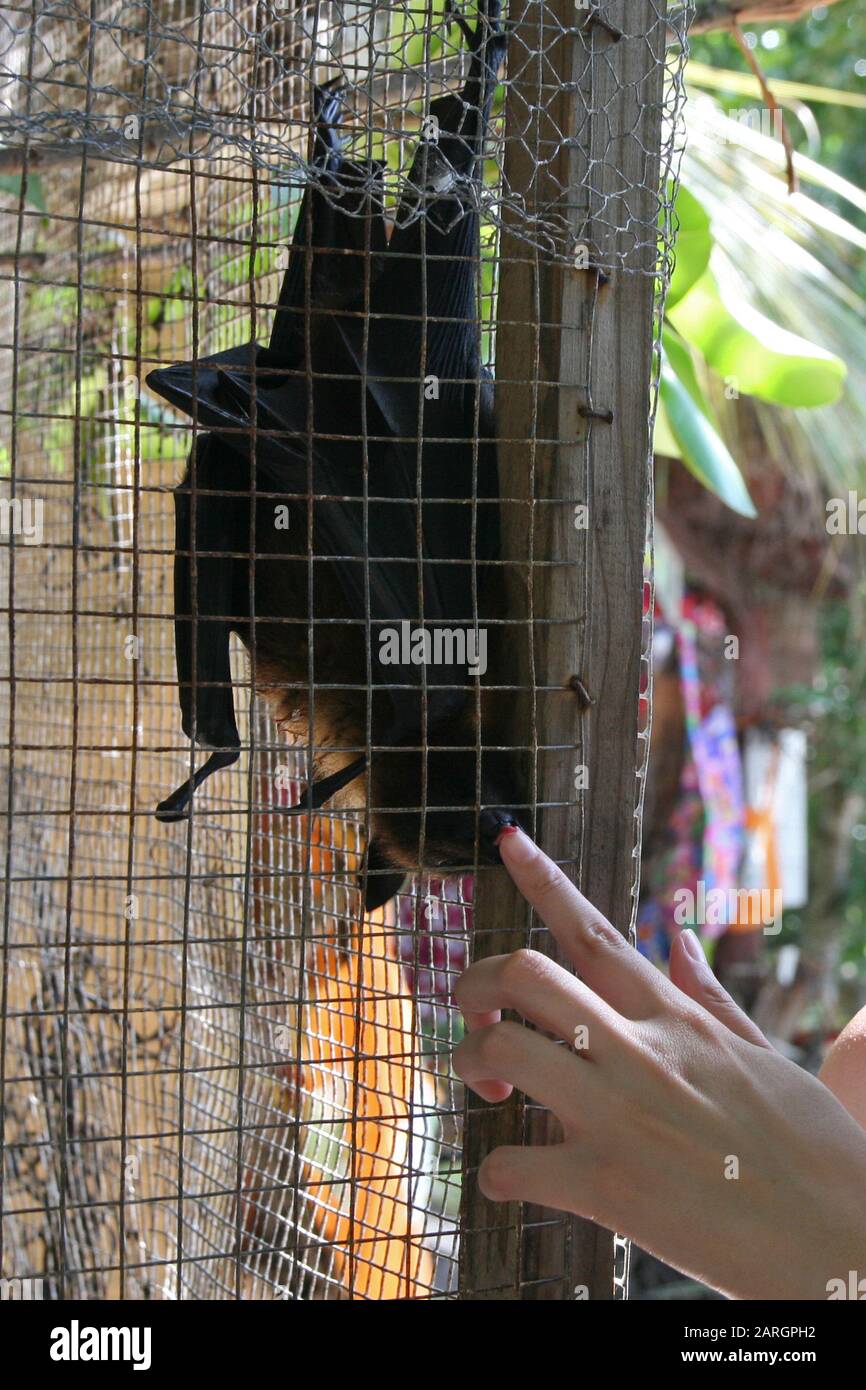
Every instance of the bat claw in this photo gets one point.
(176, 807)
(327, 105)
(314, 796)
(489, 23)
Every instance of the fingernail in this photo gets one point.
(506, 830)
(693, 945)
(516, 844)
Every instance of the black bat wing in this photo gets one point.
(336, 254)
(339, 239)
(374, 546)
(374, 543)
(261, 405)
(211, 533)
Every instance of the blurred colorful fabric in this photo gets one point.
(703, 840)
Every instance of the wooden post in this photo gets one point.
(573, 373)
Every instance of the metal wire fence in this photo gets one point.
(222, 1078)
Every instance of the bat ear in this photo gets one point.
(381, 882)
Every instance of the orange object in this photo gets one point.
(360, 1034)
(352, 1087)
(761, 825)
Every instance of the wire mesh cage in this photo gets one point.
(225, 1073)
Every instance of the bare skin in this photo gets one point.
(683, 1127)
(844, 1069)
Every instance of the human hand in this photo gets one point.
(682, 1127)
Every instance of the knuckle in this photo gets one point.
(716, 994)
(599, 937)
(678, 1047)
(522, 968)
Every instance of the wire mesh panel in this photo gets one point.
(225, 1051)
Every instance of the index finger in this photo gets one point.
(604, 958)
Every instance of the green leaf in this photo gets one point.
(679, 355)
(663, 435)
(11, 183)
(763, 359)
(411, 31)
(694, 243)
(728, 80)
(680, 358)
(421, 48)
(701, 448)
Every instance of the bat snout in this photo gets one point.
(491, 824)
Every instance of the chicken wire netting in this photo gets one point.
(221, 1079)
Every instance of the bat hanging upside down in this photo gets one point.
(340, 513)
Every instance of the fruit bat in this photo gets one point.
(343, 488)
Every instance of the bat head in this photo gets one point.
(462, 816)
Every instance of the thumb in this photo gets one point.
(690, 972)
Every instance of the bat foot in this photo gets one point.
(328, 94)
(489, 23)
(453, 14)
(381, 880)
(327, 107)
(176, 807)
(317, 793)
